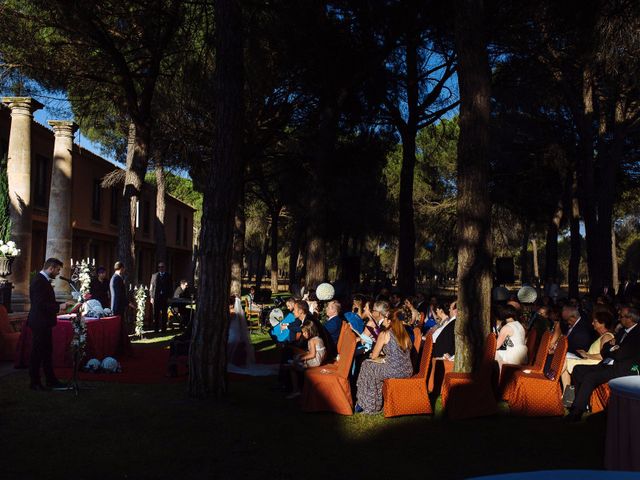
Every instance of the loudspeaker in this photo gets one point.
(505, 270)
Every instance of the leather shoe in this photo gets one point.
(38, 387)
(57, 385)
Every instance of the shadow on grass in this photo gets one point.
(156, 431)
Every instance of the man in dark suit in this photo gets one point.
(618, 359)
(580, 334)
(444, 340)
(42, 318)
(99, 288)
(118, 291)
(160, 290)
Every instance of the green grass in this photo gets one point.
(156, 431)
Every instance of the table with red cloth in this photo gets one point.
(104, 339)
(623, 424)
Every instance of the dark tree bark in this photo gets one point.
(294, 251)
(575, 243)
(137, 159)
(208, 355)
(551, 247)
(524, 254)
(275, 216)
(159, 230)
(237, 259)
(473, 203)
(262, 258)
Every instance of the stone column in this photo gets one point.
(59, 232)
(19, 180)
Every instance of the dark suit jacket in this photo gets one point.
(161, 286)
(44, 308)
(100, 291)
(581, 336)
(628, 353)
(118, 295)
(446, 341)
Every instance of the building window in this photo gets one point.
(146, 212)
(41, 182)
(178, 229)
(184, 232)
(96, 201)
(115, 202)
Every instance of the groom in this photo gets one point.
(42, 318)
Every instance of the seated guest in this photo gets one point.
(603, 324)
(99, 288)
(444, 343)
(431, 319)
(334, 322)
(394, 343)
(358, 304)
(580, 333)
(511, 342)
(313, 357)
(183, 291)
(619, 356)
(421, 303)
(280, 333)
(395, 300)
(375, 313)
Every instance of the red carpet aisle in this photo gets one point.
(148, 365)
(145, 365)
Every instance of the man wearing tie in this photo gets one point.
(619, 356)
(159, 291)
(42, 318)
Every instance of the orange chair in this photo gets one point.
(507, 374)
(532, 338)
(535, 394)
(467, 395)
(8, 337)
(328, 389)
(600, 398)
(439, 368)
(408, 396)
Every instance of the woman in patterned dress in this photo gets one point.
(395, 344)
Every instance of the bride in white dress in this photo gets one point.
(513, 336)
(240, 353)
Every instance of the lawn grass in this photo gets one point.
(157, 432)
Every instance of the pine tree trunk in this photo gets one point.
(576, 243)
(238, 248)
(474, 208)
(524, 254)
(137, 160)
(208, 356)
(275, 216)
(551, 247)
(294, 250)
(407, 234)
(536, 268)
(615, 279)
(262, 259)
(159, 230)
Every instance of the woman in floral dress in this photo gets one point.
(394, 343)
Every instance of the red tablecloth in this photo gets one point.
(103, 340)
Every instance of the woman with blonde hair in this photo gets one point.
(394, 343)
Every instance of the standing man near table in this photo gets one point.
(159, 291)
(99, 288)
(118, 291)
(42, 318)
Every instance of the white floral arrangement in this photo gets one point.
(141, 303)
(79, 341)
(9, 249)
(84, 276)
(325, 292)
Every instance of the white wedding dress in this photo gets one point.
(240, 354)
